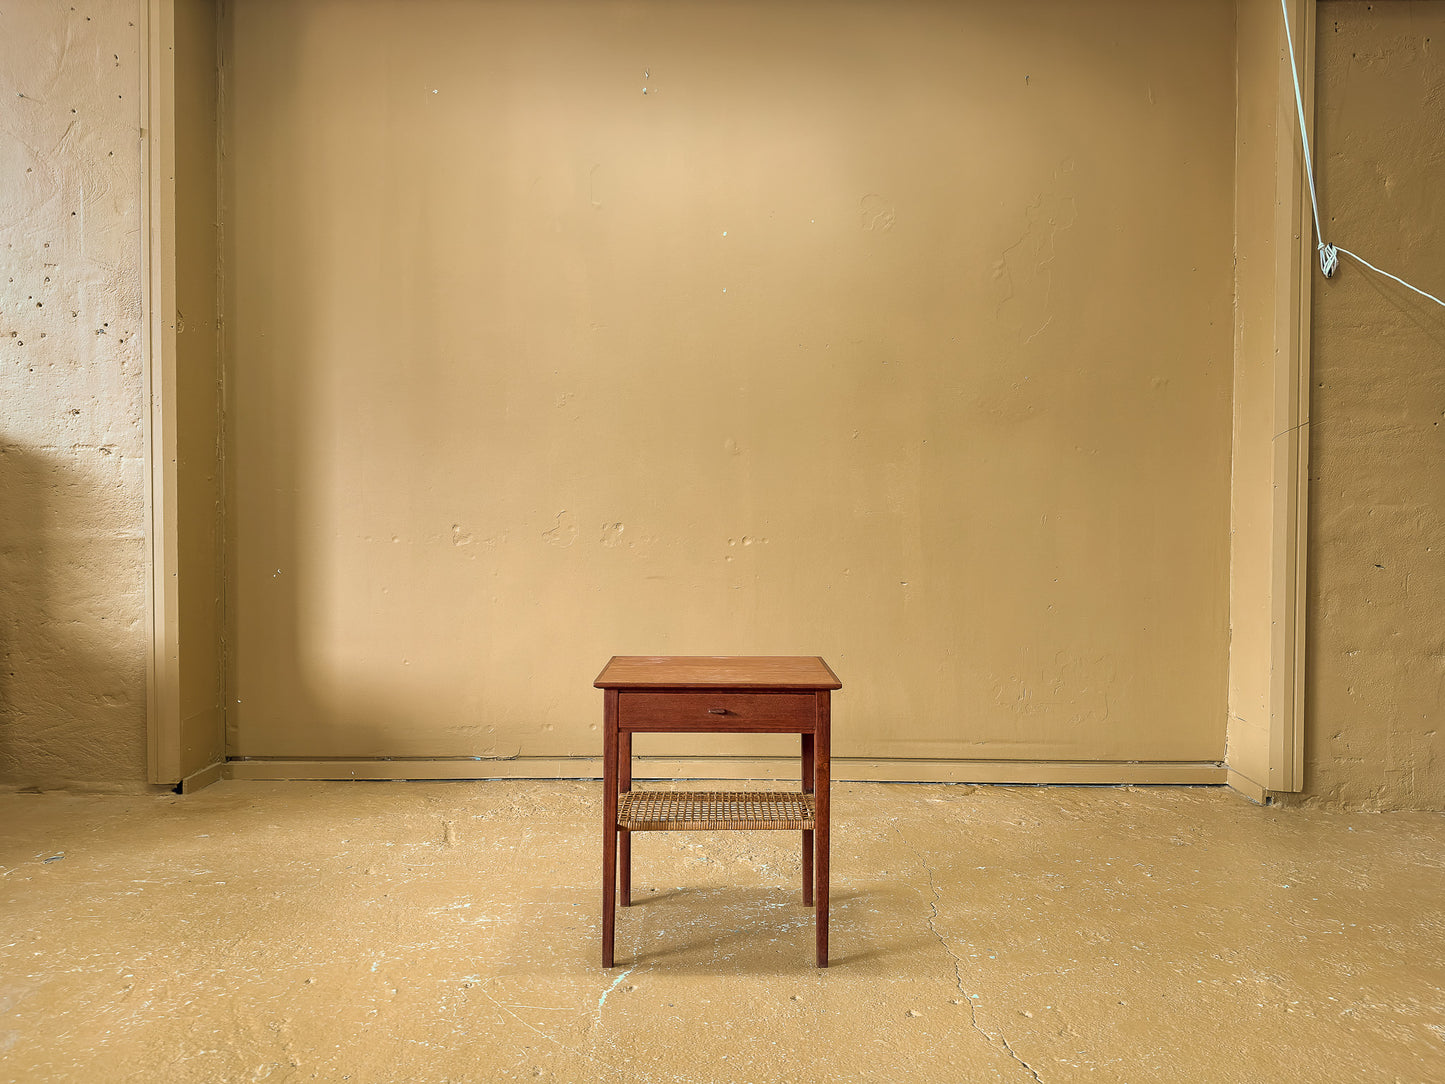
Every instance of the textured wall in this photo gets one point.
(1376, 663)
(72, 553)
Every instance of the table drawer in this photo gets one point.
(725, 710)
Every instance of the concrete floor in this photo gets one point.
(438, 932)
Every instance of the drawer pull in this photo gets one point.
(717, 711)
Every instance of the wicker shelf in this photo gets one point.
(716, 810)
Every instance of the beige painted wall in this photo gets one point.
(1376, 664)
(72, 553)
(898, 333)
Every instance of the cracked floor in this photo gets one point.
(449, 932)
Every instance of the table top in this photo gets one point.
(784, 672)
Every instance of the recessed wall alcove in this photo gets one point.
(908, 335)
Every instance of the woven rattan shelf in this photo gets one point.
(715, 810)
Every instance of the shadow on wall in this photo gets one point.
(72, 664)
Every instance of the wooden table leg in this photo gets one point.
(807, 832)
(821, 774)
(609, 824)
(624, 837)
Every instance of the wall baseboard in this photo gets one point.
(845, 769)
(1248, 787)
(211, 773)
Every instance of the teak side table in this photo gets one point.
(734, 694)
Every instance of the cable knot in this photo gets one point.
(1329, 260)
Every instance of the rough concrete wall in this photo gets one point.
(72, 549)
(1376, 662)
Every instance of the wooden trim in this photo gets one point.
(1059, 772)
(1247, 787)
(211, 773)
(158, 379)
(1295, 256)
(845, 769)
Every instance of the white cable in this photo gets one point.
(1304, 142)
(1372, 267)
(1329, 254)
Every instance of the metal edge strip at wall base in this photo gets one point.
(845, 769)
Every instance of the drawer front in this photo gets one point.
(725, 710)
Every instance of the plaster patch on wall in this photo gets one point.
(562, 534)
(1024, 271)
(463, 536)
(1068, 688)
(878, 214)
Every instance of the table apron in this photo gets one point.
(721, 712)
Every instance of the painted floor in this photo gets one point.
(434, 932)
